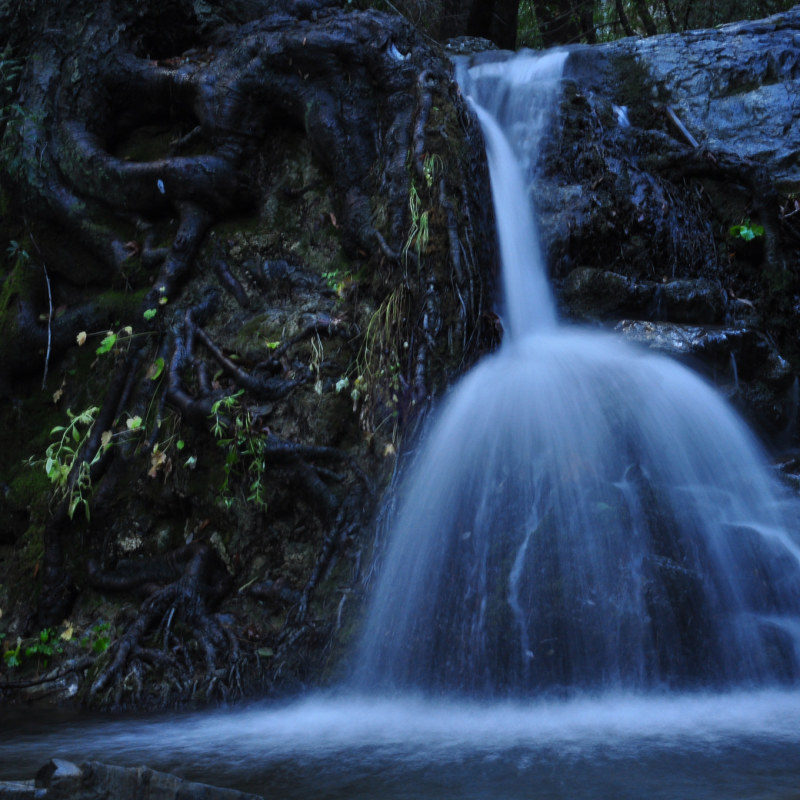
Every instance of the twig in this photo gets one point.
(49, 315)
(682, 129)
(49, 326)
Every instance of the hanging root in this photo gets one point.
(365, 92)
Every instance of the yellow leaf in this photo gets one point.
(159, 461)
(81, 338)
(105, 439)
(66, 635)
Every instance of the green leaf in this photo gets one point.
(150, 313)
(100, 645)
(266, 652)
(107, 343)
(746, 231)
(157, 369)
(180, 444)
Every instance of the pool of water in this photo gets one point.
(722, 746)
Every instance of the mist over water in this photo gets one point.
(625, 746)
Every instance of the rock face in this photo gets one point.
(63, 780)
(669, 196)
(259, 229)
(733, 87)
(327, 274)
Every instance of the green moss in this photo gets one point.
(121, 307)
(29, 487)
(19, 281)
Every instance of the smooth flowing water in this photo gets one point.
(583, 515)
(591, 589)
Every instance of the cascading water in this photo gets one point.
(582, 514)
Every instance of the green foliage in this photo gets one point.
(419, 230)
(245, 450)
(379, 380)
(432, 165)
(13, 657)
(68, 469)
(746, 231)
(41, 647)
(338, 280)
(637, 17)
(112, 341)
(17, 252)
(45, 646)
(108, 342)
(157, 369)
(98, 639)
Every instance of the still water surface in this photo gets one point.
(681, 747)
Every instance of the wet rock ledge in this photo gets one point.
(63, 780)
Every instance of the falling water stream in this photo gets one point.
(583, 515)
(591, 588)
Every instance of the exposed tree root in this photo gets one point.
(370, 99)
(197, 582)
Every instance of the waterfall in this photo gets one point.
(581, 514)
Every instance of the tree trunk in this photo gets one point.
(557, 23)
(646, 18)
(495, 20)
(586, 13)
(623, 17)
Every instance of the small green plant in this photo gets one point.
(747, 231)
(13, 656)
(419, 231)
(97, 639)
(317, 357)
(379, 381)
(17, 252)
(245, 450)
(339, 280)
(68, 471)
(44, 647)
(432, 165)
(112, 341)
(41, 647)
